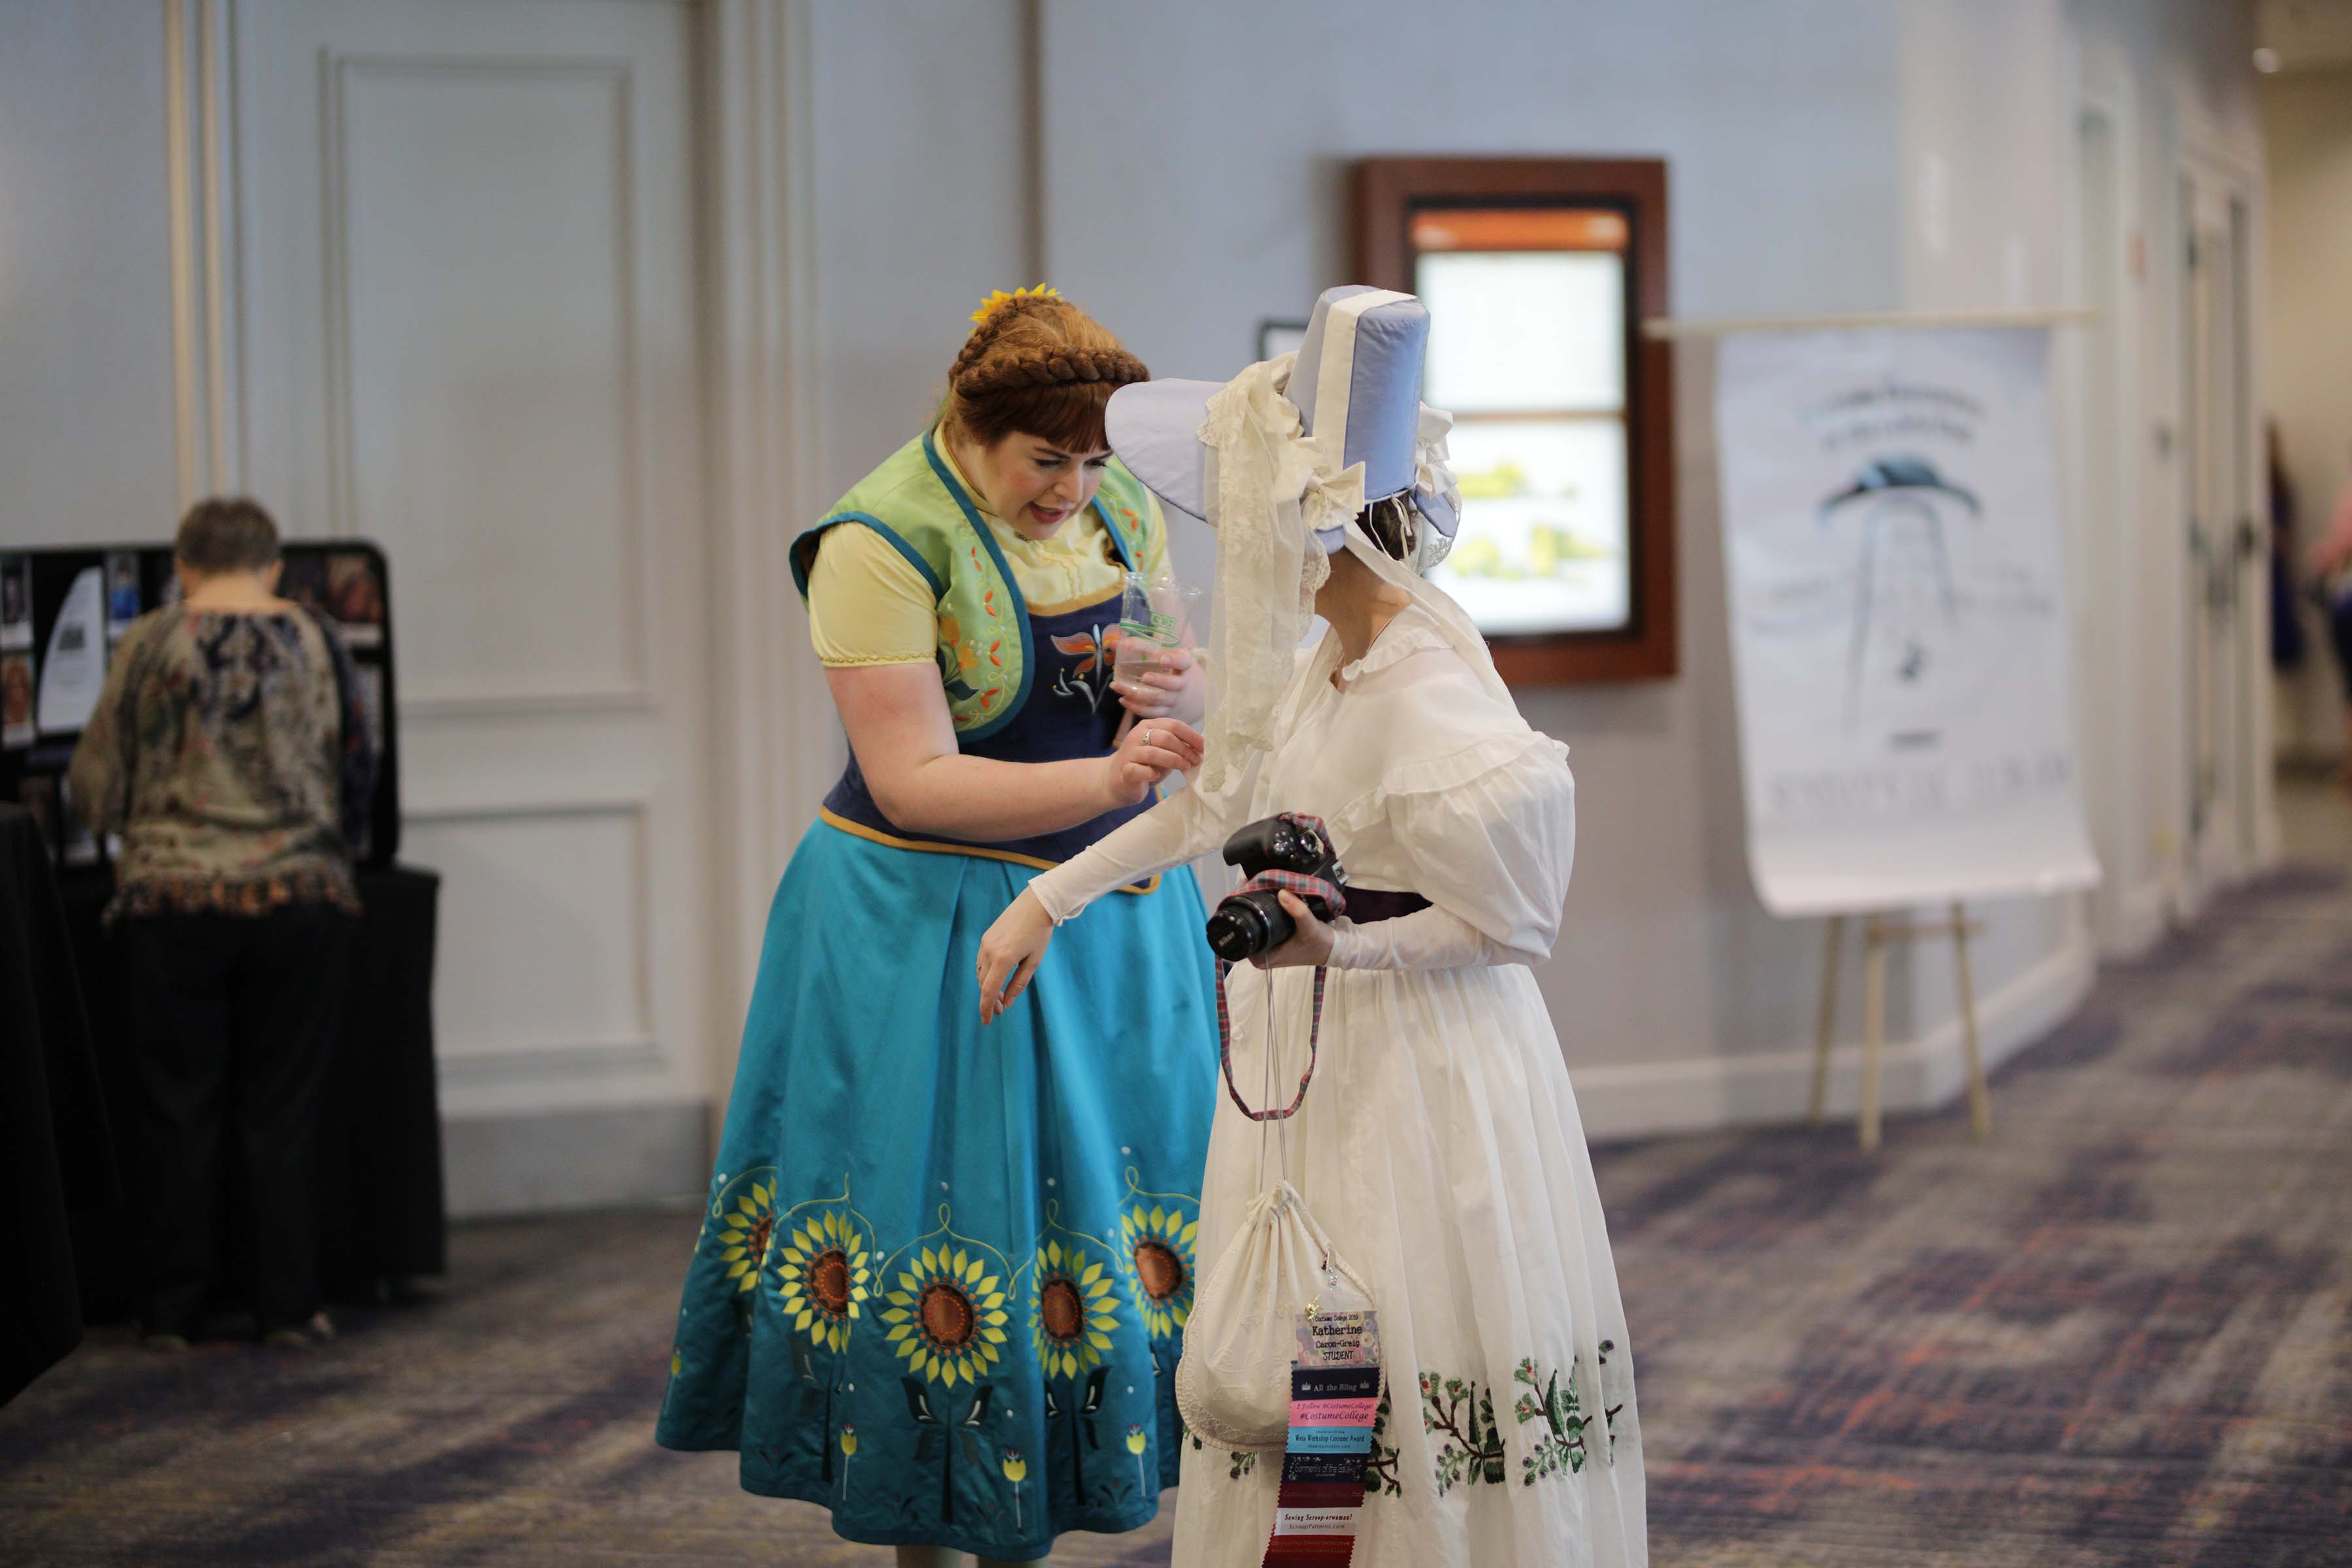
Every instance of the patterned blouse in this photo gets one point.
(231, 751)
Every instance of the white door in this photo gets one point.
(2223, 542)
(468, 277)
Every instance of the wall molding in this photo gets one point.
(2110, 735)
(489, 702)
(208, 391)
(637, 1049)
(771, 714)
(1767, 1088)
(568, 1060)
(637, 633)
(548, 1162)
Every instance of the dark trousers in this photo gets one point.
(2340, 631)
(234, 1024)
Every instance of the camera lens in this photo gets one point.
(1236, 931)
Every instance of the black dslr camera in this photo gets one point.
(1246, 924)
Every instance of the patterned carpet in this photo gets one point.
(2121, 1333)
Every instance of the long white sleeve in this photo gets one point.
(1185, 824)
(1433, 938)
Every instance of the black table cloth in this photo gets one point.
(381, 1214)
(56, 1154)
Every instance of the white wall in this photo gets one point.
(919, 144)
(2307, 130)
(85, 425)
(1186, 201)
(1823, 157)
(1187, 178)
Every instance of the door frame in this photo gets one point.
(777, 746)
(2218, 167)
(2101, 405)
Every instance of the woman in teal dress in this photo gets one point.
(942, 1278)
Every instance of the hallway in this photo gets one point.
(2122, 1333)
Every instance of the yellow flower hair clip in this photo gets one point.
(1000, 299)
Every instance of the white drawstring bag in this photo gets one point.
(1233, 1385)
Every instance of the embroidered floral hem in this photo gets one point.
(219, 896)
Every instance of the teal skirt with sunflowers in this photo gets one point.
(943, 1271)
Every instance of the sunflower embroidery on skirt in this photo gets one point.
(742, 1223)
(948, 1322)
(1157, 1234)
(1074, 1310)
(1158, 1230)
(1073, 1303)
(946, 1309)
(823, 1270)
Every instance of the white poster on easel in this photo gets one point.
(1898, 618)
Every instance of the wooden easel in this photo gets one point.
(1879, 933)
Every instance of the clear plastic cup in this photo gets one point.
(1156, 616)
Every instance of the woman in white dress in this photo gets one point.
(1438, 1143)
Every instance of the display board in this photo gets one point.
(1538, 274)
(1898, 617)
(63, 613)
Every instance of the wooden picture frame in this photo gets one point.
(1391, 191)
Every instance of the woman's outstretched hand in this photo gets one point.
(1149, 751)
(1308, 948)
(1010, 953)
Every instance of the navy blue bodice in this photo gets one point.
(1070, 712)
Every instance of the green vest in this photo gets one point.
(985, 659)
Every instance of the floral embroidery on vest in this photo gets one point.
(1097, 650)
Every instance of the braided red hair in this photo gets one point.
(1039, 365)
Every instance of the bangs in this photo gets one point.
(1069, 415)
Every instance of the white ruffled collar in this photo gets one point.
(1409, 631)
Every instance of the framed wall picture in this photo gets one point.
(1538, 273)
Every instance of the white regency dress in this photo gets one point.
(1439, 1144)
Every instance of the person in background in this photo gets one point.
(229, 751)
(2287, 648)
(2331, 562)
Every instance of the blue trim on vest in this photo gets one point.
(1003, 570)
(1118, 539)
(914, 556)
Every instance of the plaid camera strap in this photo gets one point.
(1336, 901)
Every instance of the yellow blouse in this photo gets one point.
(868, 605)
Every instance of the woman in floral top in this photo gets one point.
(229, 751)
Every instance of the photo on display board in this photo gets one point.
(38, 795)
(371, 695)
(355, 599)
(304, 580)
(73, 667)
(16, 727)
(121, 592)
(80, 844)
(15, 601)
